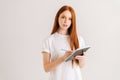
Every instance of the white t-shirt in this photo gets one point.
(54, 45)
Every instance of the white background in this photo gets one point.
(25, 23)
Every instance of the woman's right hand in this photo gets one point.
(67, 53)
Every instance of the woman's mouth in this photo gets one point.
(64, 25)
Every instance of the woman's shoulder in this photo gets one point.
(50, 37)
(81, 41)
(80, 37)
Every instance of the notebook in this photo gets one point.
(78, 51)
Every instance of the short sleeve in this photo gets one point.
(82, 42)
(46, 46)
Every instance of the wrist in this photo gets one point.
(62, 58)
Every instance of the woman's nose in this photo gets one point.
(65, 20)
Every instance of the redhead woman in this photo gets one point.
(63, 36)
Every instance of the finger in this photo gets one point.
(79, 57)
(70, 51)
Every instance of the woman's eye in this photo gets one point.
(63, 17)
(70, 18)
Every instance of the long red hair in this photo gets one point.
(74, 43)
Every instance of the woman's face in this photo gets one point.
(64, 20)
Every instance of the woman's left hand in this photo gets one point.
(80, 58)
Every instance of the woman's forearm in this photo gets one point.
(52, 65)
(48, 65)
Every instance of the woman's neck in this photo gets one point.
(63, 32)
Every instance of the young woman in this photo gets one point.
(63, 36)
